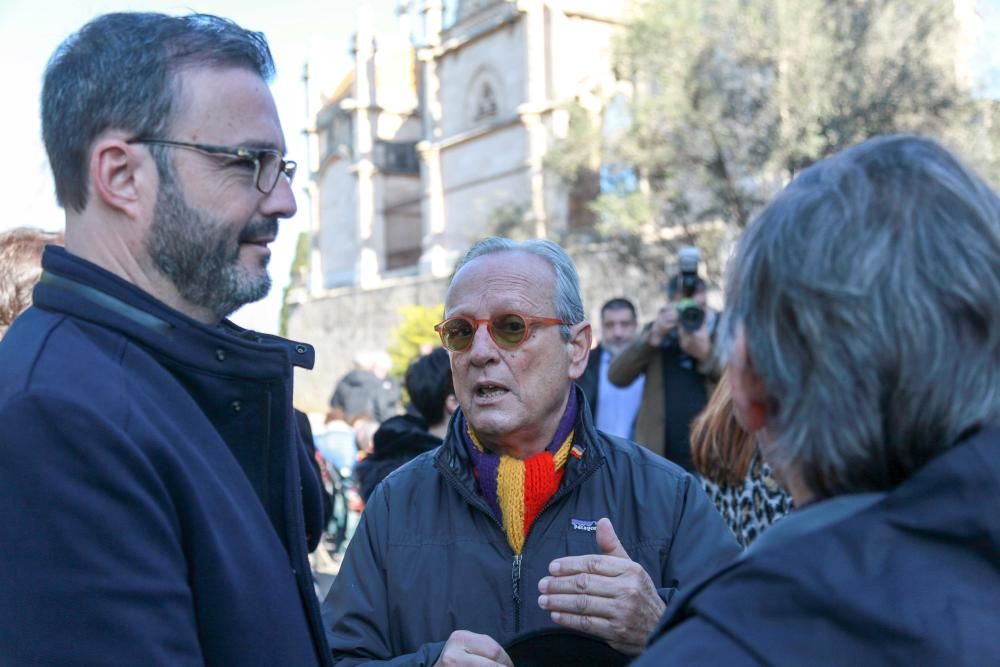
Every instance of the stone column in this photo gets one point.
(370, 223)
(537, 102)
(433, 258)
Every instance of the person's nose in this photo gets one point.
(279, 202)
(483, 348)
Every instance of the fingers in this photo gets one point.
(623, 623)
(607, 540)
(591, 606)
(610, 630)
(583, 585)
(581, 593)
(468, 649)
(665, 320)
(599, 564)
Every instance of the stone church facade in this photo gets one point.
(435, 139)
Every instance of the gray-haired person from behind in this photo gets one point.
(863, 331)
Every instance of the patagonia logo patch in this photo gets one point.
(577, 451)
(580, 524)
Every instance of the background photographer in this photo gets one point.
(675, 353)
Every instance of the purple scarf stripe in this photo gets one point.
(566, 424)
(487, 463)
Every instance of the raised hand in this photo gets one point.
(607, 595)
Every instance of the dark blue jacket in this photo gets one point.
(151, 485)
(909, 577)
(429, 557)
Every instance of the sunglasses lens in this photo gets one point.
(456, 334)
(509, 330)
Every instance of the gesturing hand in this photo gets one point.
(468, 648)
(606, 595)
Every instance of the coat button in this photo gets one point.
(301, 349)
(220, 354)
(236, 406)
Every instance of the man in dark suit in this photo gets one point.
(614, 408)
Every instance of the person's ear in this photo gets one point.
(578, 345)
(750, 400)
(450, 404)
(120, 175)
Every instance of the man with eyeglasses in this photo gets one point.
(156, 501)
(526, 519)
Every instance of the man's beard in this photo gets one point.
(201, 257)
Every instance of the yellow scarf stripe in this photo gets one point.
(475, 440)
(510, 488)
(510, 494)
(559, 458)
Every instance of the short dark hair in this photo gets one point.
(119, 72)
(869, 294)
(618, 303)
(428, 382)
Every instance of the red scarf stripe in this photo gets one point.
(540, 482)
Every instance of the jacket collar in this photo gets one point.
(941, 499)
(74, 286)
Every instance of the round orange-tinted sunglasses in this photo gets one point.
(508, 330)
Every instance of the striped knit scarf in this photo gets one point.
(516, 490)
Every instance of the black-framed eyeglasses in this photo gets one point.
(508, 330)
(268, 163)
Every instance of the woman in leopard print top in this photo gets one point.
(733, 473)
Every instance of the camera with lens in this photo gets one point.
(690, 315)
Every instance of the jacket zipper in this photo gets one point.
(516, 580)
(476, 501)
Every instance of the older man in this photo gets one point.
(523, 497)
(864, 320)
(152, 482)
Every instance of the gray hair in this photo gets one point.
(869, 293)
(566, 300)
(119, 72)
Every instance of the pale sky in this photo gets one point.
(317, 31)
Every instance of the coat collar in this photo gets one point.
(74, 286)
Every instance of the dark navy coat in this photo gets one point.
(429, 557)
(151, 485)
(909, 577)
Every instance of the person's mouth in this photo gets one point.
(261, 241)
(487, 391)
(260, 233)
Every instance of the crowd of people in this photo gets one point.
(807, 477)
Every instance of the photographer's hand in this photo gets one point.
(697, 344)
(665, 320)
